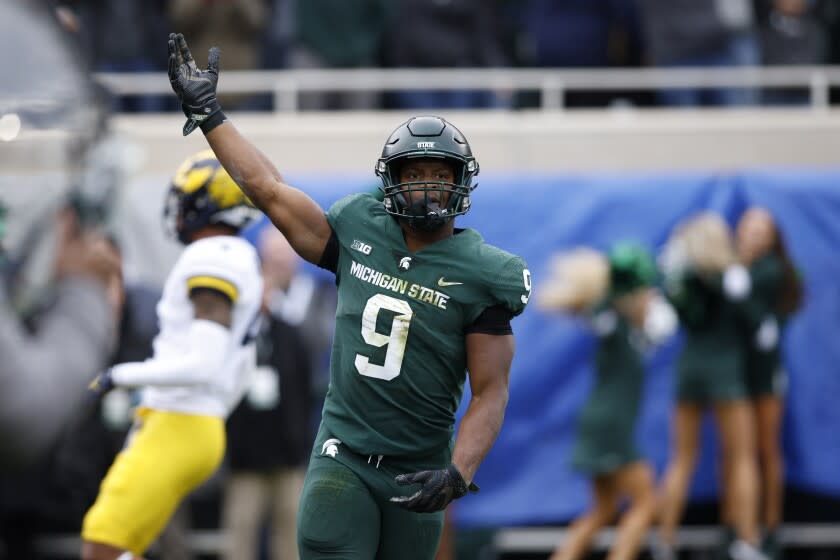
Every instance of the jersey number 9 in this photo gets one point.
(395, 340)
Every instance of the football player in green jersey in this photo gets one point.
(420, 304)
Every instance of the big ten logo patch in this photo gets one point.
(361, 246)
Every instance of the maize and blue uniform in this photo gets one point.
(178, 439)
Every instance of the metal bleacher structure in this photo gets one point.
(285, 85)
(548, 137)
(544, 138)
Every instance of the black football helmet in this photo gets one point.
(426, 137)
(202, 193)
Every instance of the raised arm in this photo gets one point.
(294, 213)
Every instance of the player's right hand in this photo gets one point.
(195, 88)
(101, 384)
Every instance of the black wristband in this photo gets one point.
(212, 121)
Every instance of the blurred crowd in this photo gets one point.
(129, 36)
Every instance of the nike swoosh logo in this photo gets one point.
(443, 283)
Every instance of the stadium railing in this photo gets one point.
(285, 85)
(510, 542)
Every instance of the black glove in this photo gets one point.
(195, 88)
(102, 384)
(438, 489)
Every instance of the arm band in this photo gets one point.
(329, 258)
(493, 320)
(212, 121)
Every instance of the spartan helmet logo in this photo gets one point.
(330, 447)
(405, 262)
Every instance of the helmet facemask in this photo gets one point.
(441, 201)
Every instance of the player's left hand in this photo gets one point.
(101, 384)
(438, 488)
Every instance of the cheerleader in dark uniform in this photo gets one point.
(614, 294)
(776, 294)
(707, 287)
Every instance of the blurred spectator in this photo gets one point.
(338, 34)
(776, 294)
(120, 37)
(829, 16)
(269, 434)
(233, 26)
(701, 33)
(47, 369)
(582, 33)
(829, 12)
(279, 34)
(791, 34)
(444, 34)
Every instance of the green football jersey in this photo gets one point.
(399, 359)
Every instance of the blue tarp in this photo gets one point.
(526, 479)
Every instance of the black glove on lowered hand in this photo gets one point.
(438, 489)
(195, 88)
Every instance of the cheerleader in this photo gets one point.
(614, 294)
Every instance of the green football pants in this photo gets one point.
(345, 511)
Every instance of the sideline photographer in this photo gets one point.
(51, 118)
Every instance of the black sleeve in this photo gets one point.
(493, 320)
(329, 258)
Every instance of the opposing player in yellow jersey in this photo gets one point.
(207, 313)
